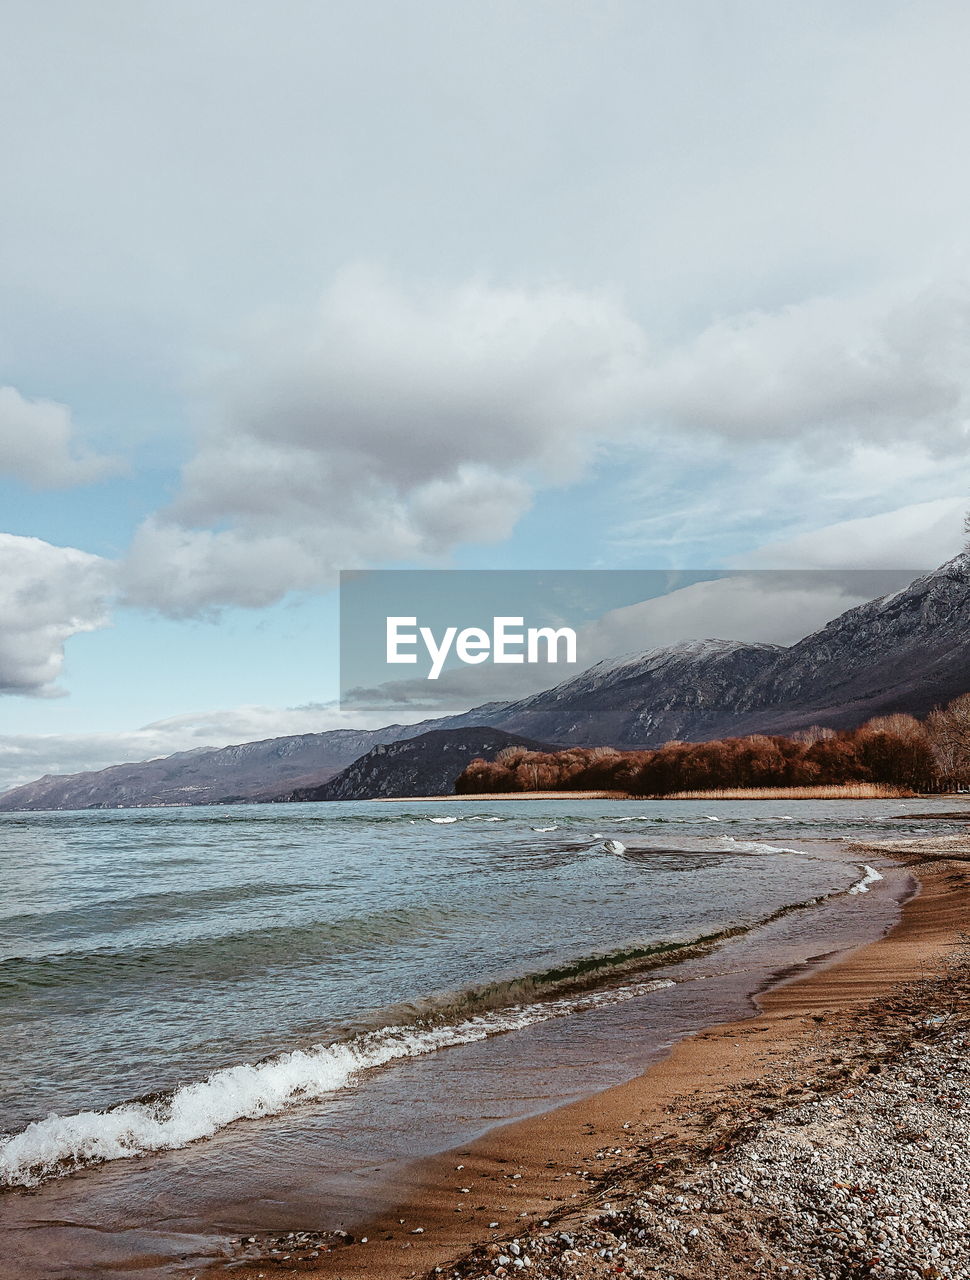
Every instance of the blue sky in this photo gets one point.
(504, 285)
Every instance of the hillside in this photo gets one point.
(909, 651)
(424, 766)
(206, 776)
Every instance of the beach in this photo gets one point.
(313, 1022)
(688, 1170)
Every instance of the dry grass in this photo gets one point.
(848, 791)
(475, 796)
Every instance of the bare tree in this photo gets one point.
(949, 732)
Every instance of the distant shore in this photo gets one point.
(851, 791)
(687, 1170)
(511, 795)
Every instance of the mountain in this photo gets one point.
(423, 766)
(249, 771)
(683, 691)
(909, 651)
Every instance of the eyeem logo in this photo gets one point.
(474, 645)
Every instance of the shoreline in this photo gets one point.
(754, 793)
(539, 1172)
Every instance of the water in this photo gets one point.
(200, 997)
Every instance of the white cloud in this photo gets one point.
(760, 607)
(392, 427)
(38, 444)
(385, 427)
(919, 535)
(891, 363)
(708, 502)
(47, 595)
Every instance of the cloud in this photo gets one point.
(457, 690)
(386, 426)
(879, 364)
(919, 535)
(391, 426)
(715, 503)
(38, 444)
(47, 595)
(755, 607)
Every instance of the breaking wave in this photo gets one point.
(60, 1145)
(57, 1145)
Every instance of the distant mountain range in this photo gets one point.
(423, 766)
(250, 771)
(909, 651)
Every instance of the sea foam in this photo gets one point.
(869, 876)
(60, 1145)
(755, 846)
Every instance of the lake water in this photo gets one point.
(202, 1009)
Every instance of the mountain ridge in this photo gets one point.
(426, 765)
(908, 651)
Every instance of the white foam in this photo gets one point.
(442, 819)
(869, 876)
(59, 1145)
(755, 846)
(545, 828)
(614, 846)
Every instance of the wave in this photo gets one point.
(221, 956)
(173, 904)
(757, 846)
(869, 876)
(465, 817)
(60, 1145)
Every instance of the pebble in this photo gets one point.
(862, 1172)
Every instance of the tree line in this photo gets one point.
(896, 750)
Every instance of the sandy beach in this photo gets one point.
(687, 1170)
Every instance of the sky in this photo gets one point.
(299, 287)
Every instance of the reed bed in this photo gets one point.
(846, 791)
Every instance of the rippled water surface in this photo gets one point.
(198, 965)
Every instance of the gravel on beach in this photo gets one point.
(852, 1161)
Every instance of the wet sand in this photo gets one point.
(525, 1175)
